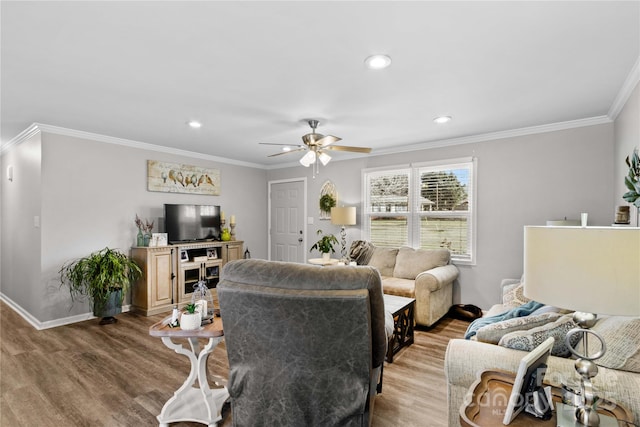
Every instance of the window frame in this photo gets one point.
(413, 214)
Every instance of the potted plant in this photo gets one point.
(102, 278)
(190, 319)
(632, 181)
(325, 244)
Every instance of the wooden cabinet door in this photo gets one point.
(160, 271)
(233, 252)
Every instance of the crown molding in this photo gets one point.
(532, 130)
(625, 91)
(40, 127)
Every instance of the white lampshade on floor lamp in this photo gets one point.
(343, 216)
(590, 270)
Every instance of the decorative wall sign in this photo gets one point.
(177, 178)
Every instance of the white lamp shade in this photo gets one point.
(324, 158)
(588, 269)
(308, 159)
(343, 215)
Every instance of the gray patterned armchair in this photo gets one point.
(305, 344)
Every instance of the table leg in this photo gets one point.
(190, 403)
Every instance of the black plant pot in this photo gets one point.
(112, 307)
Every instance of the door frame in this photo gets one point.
(304, 219)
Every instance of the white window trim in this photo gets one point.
(413, 213)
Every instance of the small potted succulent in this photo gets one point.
(325, 244)
(190, 318)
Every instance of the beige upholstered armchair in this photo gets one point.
(305, 344)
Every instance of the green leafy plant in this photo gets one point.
(327, 202)
(325, 244)
(190, 308)
(95, 276)
(632, 180)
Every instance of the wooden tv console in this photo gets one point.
(169, 273)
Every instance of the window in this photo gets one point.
(428, 205)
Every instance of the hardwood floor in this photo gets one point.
(117, 375)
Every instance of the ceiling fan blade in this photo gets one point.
(287, 152)
(327, 140)
(347, 148)
(273, 143)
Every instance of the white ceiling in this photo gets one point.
(253, 71)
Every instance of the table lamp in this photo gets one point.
(590, 270)
(343, 216)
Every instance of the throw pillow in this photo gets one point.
(513, 295)
(384, 259)
(622, 338)
(528, 340)
(411, 262)
(493, 332)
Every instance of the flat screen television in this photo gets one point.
(189, 223)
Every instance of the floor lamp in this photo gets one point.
(343, 216)
(590, 270)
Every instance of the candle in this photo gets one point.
(233, 219)
(221, 216)
(201, 306)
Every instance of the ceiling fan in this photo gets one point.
(316, 146)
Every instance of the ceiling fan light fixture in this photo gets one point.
(442, 119)
(324, 158)
(308, 159)
(378, 62)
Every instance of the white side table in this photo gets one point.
(201, 404)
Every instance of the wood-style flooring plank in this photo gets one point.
(117, 375)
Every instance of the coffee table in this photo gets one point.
(201, 404)
(401, 309)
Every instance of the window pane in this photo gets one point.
(389, 192)
(444, 190)
(389, 231)
(451, 233)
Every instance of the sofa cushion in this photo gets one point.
(384, 259)
(493, 332)
(513, 295)
(411, 262)
(530, 339)
(622, 338)
(401, 287)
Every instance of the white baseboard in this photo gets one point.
(49, 323)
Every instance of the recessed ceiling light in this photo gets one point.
(194, 124)
(286, 148)
(378, 62)
(442, 119)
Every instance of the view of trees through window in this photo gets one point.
(433, 212)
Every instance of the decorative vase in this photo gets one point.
(147, 239)
(326, 256)
(226, 236)
(140, 240)
(189, 321)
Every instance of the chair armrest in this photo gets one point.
(437, 277)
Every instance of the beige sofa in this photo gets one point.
(423, 274)
(618, 379)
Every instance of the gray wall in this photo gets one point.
(87, 194)
(627, 137)
(521, 181)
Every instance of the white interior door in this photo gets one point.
(286, 225)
